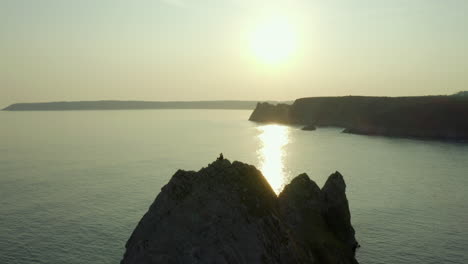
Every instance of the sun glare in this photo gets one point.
(274, 41)
(273, 139)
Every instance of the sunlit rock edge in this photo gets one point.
(228, 213)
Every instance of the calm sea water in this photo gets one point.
(73, 185)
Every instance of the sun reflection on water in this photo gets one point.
(271, 154)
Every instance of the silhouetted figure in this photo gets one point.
(221, 157)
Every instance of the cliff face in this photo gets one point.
(265, 112)
(228, 213)
(442, 117)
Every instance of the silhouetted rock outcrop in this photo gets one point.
(439, 117)
(228, 213)
(336, 212)
(320, 219)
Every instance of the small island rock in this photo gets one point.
(309, 128)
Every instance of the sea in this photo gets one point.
(74, 184)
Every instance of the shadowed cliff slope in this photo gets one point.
(228, 213)
(441, 117)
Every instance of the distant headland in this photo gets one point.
(131, 105)
(436, 117)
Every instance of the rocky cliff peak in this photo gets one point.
(228, 213)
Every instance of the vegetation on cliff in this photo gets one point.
(461, 93)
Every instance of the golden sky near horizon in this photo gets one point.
(54, 50)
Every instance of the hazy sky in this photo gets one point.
(53, 50)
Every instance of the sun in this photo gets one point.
(274, 41)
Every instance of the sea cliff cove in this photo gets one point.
(233, 132)
(228, 213)
(77, 187)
